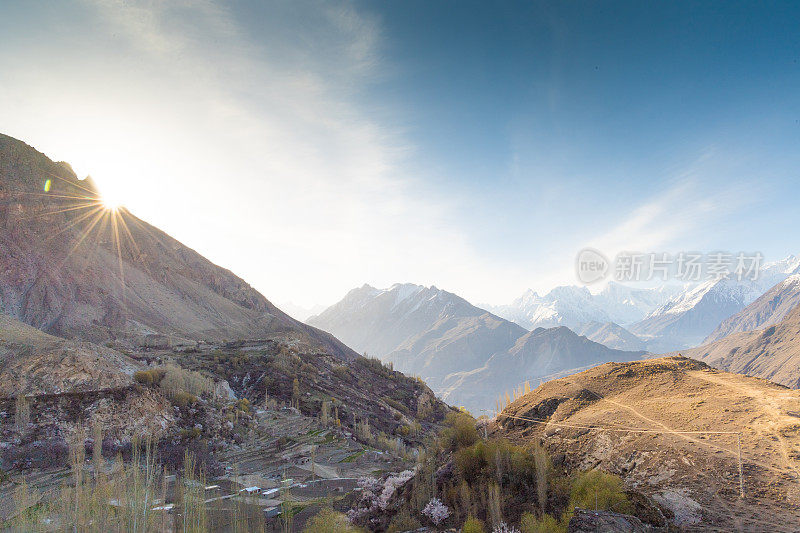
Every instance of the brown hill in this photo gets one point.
(73, 268)
(651, 422)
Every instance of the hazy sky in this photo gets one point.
(311, 147)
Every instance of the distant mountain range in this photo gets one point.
(664, 318)
(468, 354)
(572, 306)
(422, 330)
(611, 335)
(464, 353)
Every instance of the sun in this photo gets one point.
(110, 203)
(111, 199)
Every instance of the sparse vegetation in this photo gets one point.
(22, 413)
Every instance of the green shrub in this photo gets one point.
(594, 488)
(460, 431)
(190, 433)
(544, 524)
(397, 405)
(329, 521)
(403, 521)
(473, 525)
(144, 377)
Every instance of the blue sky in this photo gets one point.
(312, 147)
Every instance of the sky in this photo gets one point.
(312, 147)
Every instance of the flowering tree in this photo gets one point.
(436, 511)
(376, 495)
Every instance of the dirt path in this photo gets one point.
(776, 417)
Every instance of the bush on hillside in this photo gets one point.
(596, 489)
(473, 525)
(460, 431)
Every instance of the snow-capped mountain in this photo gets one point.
(775, 272)
(688, 318)
(627, 305)
(572, 306)
(562, 306)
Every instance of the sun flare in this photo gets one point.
(110, 203)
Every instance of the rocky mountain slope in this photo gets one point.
(769, 309)
(538, 355)
(380, 322)
(73, 272)
(772, 353)
(73, 268)
(33, 363)
(653, 422)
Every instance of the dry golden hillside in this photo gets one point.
(670, 427)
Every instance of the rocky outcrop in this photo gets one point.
(584, 521)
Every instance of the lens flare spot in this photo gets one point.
(47, 185)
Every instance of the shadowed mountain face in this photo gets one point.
(769, 309)
(688, 318)
(611, 335)
(75, 269)
(539, 355)
(772, 353)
